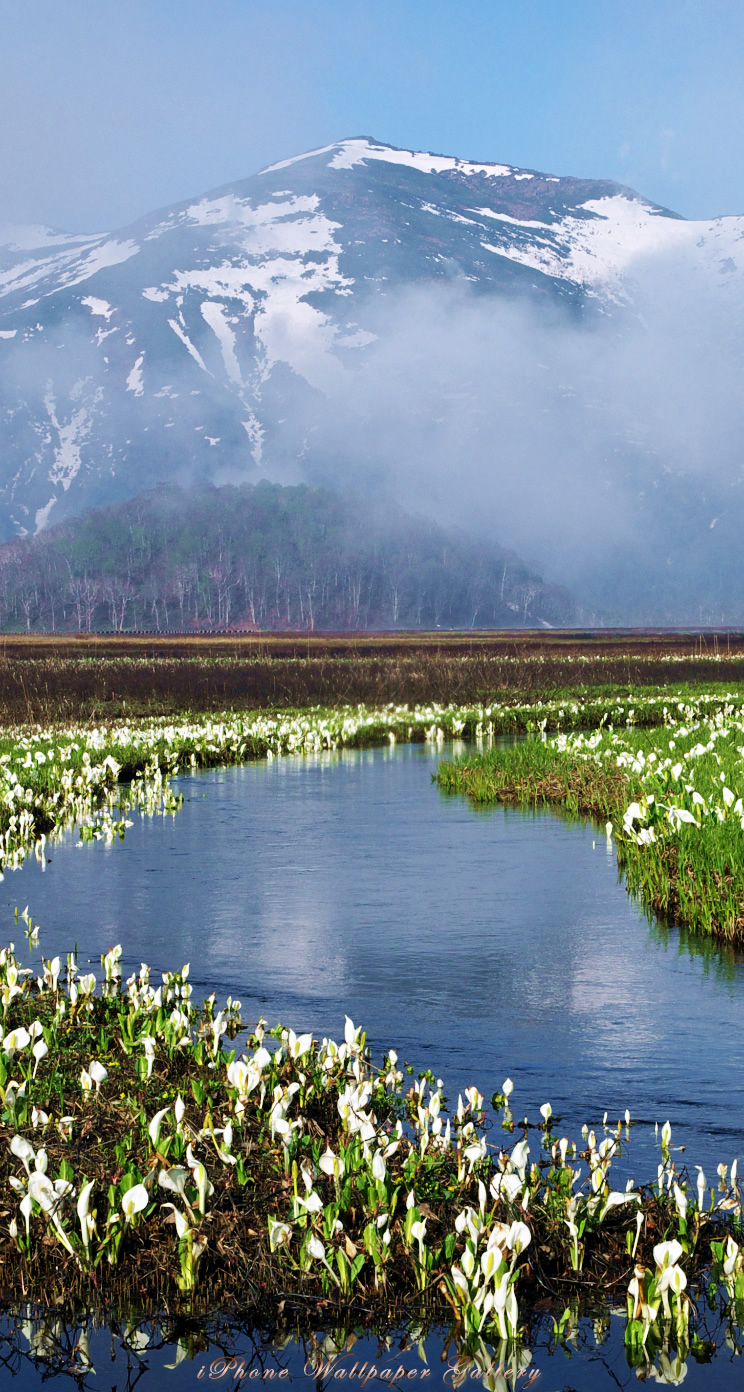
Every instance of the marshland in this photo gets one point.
(56, 677)
(476, 1097)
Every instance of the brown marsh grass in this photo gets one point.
(47, 678)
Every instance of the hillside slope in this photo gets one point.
(264, 556)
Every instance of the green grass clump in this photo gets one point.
(673, 795)
(531, 773)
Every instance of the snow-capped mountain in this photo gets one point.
(187, 345)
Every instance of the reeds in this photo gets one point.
(48, 679)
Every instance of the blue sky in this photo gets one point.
(109, 110)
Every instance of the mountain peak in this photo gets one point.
(206, 340)
(360, 149)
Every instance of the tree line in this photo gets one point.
(267, 557)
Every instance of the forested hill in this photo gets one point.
(265, 556)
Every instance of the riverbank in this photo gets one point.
(57, 775)
(152, 1149)
(682, 850)
(295, 1169)
(671, 797)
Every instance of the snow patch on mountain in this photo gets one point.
(70, 437)
(109, 253)
(179, 330)
(352, 152)
(215, 315)
(283, 252)
(293, 226)
(505, 217)
(248, 305)
(346, 154)
(66, 268)
(42, 514)
(255, 432)
(297, 159)
(99, 307)
(34, 236)
(134, 380)
(600, 244)
(452, 216)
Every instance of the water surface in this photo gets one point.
(149, 1358)
(479, 944)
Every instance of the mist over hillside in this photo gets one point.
(549, 363)
(264, 556)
